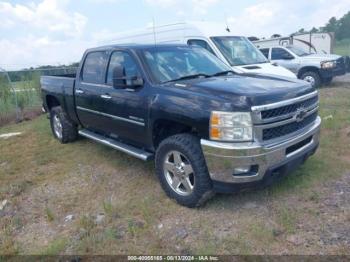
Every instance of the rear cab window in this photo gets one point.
(94, 67)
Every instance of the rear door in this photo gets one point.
(90, 86)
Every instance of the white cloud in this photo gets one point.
(202, 6)
(328, 9)
(199, 7)
(49, 32)
(42, 33)
(33, 51)
(272, 16)
(49, 15)
(162, 3)
(105, 1)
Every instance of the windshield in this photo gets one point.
(239, 50)
(297, 50)
(172, 63)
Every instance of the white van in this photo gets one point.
(236, 51)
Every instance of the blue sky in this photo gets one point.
(57, 31)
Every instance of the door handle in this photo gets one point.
(106, 96)
(79, 91)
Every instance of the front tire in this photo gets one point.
(62, 128)
(182, 171)
(312, 77)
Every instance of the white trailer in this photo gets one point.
(320, 43)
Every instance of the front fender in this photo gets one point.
(194, 112)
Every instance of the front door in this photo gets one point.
(284, 58)
(127, 107)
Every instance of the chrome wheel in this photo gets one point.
(57, 126)
(179, 173)
(310, 79)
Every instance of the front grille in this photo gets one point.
(284, 110)
(340, 64)
(299, 145)
(347, 63)
(279, 131)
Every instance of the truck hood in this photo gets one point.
(266, 69)
(321, 57)
(250, 89)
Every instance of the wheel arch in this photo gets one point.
(164, 128)
(307, 69)
(51, 101)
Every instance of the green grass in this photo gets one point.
(342, 47)
(49, 214)
(45, 181)
(55, 247)
(28, 97)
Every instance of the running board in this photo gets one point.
(131, 150)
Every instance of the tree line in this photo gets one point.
(341, 27)
(34, 73)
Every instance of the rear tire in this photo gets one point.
(62, 128)
(182, 171)
(312, 77)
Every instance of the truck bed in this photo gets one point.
(49, 82)
(62, 89)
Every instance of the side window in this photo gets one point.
(94, 66)
(201, 43)
(122, 59)
(279, 54)
(265, 52)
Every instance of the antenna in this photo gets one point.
(154, 32)
(155, 39)
(227, 27)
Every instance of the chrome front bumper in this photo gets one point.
(223, 158)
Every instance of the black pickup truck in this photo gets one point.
(208, 129)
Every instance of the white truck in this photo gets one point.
(314, 68)
(308, 55)
(236, 51)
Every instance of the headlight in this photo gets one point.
(227, 126)
(328, 64)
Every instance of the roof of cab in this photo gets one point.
(135, 46)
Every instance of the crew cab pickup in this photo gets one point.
(316, 69)
(208, 129)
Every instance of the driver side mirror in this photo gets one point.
(120, 80)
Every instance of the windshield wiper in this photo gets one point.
(263, 62)
(223, 73)
(188, 77)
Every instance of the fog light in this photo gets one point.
(246, 170)
(241, 170)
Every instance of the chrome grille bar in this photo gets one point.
(256, 110)
(282, 120)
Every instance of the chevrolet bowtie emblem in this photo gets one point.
(300, 114)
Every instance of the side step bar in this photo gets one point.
(133, 151)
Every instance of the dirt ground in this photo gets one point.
(84, 198)
(24, 115)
